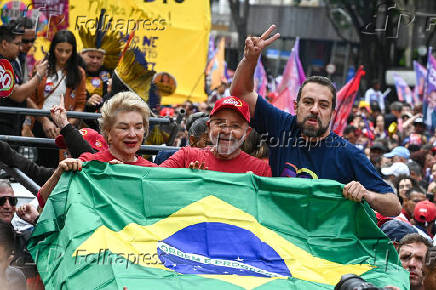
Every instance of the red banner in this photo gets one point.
(344, 102)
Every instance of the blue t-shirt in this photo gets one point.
(164, 155)
(331, 158)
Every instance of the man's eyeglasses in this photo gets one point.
(223, 125)
(25, 41)
(12, 200)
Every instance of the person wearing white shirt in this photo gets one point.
(374, 94)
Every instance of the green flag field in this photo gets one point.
(115, 226)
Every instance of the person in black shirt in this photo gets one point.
(10, 42)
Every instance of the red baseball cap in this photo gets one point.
(233, 103)
(425, 211)
(93, 137)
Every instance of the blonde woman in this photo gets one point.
(123, 123)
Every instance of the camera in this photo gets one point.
(354, 282)
(180, 115)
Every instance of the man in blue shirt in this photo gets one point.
(303, 145)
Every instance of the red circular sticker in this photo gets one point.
(7, 81)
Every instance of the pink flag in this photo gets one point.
(421, 78)
(429, 100)
(344, 102)
(260, 80)
(293, 77)
(404, 92)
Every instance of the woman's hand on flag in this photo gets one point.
(70, 164)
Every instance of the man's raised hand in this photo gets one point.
(254, 45)
(59, 114)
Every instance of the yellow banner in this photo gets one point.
(173, 33)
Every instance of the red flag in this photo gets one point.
(344, 102)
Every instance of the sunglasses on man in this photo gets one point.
(12, 200)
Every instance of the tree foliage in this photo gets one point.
(240, 12)
(379, 26)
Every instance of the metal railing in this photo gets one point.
(22, 178)
(70, 114)
(50, 143)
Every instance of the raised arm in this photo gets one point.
(13, 159)
(243, 81)
(69, 164)
(75, 142)
(24, 91)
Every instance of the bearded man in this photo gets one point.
(228, 128)
(303, 145)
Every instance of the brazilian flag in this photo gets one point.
(115, 226)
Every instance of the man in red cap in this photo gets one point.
(228, 128)
(95, 140)
(424, 216)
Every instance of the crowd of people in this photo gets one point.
(385, 157)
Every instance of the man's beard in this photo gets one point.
(416, 283)
(234, 145)
(311, 131)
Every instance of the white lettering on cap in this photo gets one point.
(233, 102)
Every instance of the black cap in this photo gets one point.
(13, 27)
(193, 117)
(378, 146)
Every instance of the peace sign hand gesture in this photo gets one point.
(254, 45)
